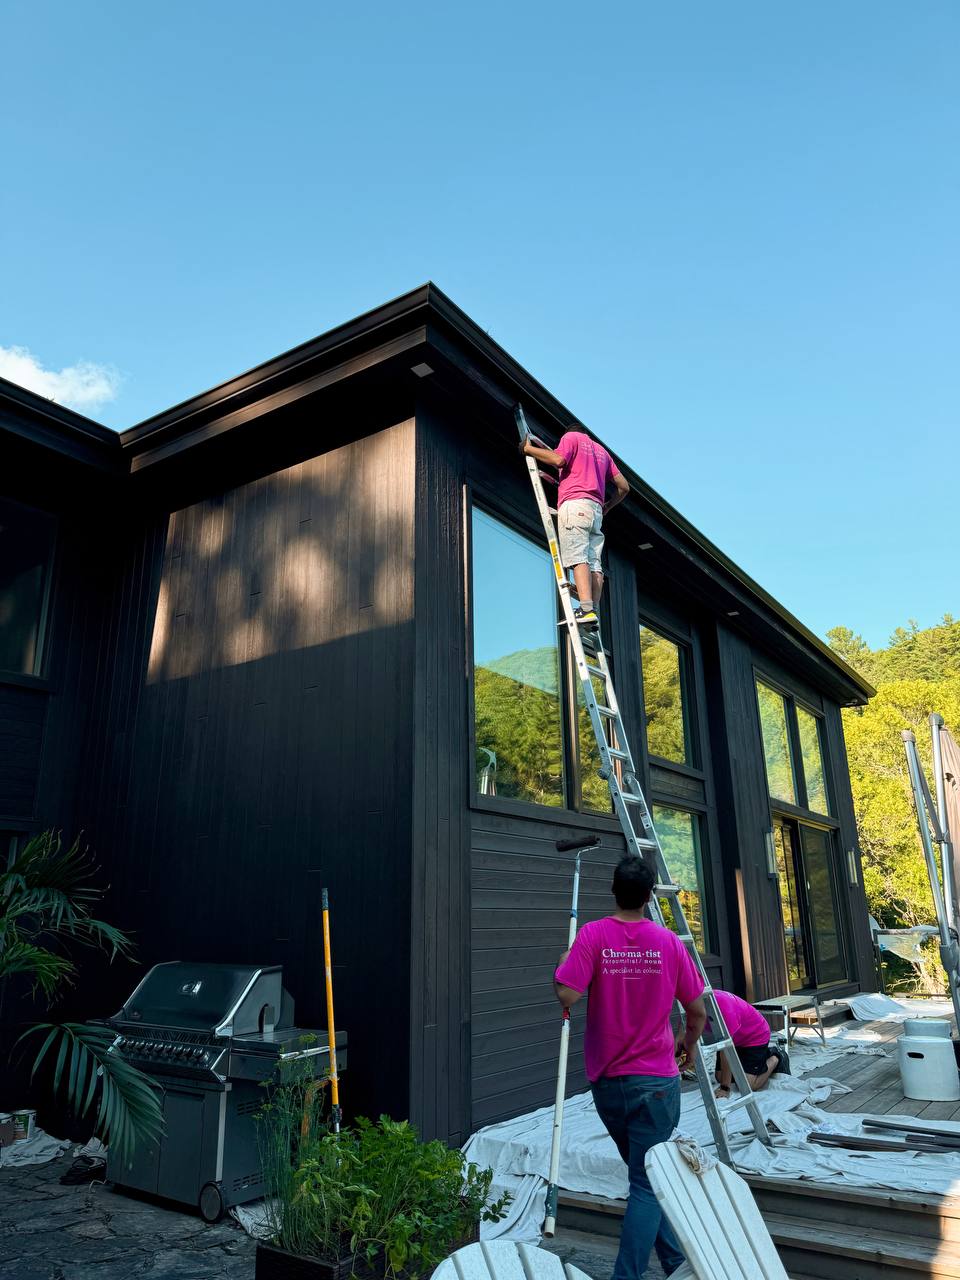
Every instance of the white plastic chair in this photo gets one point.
(504, 1260)
(715, 1219)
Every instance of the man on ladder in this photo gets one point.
(635, 970)
(585, 471)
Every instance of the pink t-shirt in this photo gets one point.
(634, 970)
(747, 1027)
(586, 468)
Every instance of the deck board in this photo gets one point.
(874, 1082)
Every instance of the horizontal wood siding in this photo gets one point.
(519, 918)
(254, 704)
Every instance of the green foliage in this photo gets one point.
(917, 674)
(47, 898)
(371, 1190)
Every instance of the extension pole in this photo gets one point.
(550, 1222)
(328, 976)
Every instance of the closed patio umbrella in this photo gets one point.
(949, 801)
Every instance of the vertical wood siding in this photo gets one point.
(254, 696)
(440, 901)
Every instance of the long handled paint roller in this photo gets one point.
(328, 977)
(580, 843)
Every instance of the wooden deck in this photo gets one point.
(875, 1082)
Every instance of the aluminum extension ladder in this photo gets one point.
(618, 771)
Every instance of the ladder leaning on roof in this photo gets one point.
(617, 769)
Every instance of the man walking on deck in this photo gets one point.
(585, 470)
(634, 970)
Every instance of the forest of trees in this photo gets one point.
(916, 674)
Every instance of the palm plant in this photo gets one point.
(47, 897)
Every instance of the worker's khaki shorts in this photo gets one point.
(580, 527)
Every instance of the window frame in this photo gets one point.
(570, 812)
(38, 676)
(689, 698)
(818, 718)
(701, 816)
(792, 702)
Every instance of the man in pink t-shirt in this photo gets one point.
(750, 1033)
(634, 971)
(585, 471)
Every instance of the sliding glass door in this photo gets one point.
(809, 904)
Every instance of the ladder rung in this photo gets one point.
(606, 711)
(720, 1045)
(666, 890)
(616, 754)
(630, 798)
(745, 1099)
(596, 671)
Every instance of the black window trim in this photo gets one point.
(792, 701)
(689, 701)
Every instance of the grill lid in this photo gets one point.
(219, 999)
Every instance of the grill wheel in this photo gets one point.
(210, 1203)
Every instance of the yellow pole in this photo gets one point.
(328, 975)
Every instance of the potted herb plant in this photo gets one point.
(371, 1201)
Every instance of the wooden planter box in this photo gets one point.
(278, 1264)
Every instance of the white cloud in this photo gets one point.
(83, 385)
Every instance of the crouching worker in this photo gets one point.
(634, 970)
(750, 1034)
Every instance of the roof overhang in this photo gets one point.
(388, 341)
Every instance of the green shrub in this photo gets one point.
(372, 1190)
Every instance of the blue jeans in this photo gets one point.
(639, 1112)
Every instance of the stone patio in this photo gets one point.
(50, 1232)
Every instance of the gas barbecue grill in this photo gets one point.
(209, 1034)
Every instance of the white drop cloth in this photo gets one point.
(253, 1218)
(869, 1008)
(589, 1160)
(39, 1149)
(794, 1157)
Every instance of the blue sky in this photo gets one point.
(725, 235)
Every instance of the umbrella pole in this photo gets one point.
(550, 1222)
(328, 978)
(946, 844)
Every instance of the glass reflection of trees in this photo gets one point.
(663, 697)
(776, 744)
(517, 706)
(679, 833)
(812, 756)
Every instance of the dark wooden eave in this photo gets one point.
(50, 426)
(426, 325)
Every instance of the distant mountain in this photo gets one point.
(534, 667)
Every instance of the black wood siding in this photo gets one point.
(440, 891)
(255, 699)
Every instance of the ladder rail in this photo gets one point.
(617, 768)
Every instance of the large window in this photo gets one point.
(26, 543)
(517, 705)
(664, 697)
(811, 755)
(679, 833)
(776, 744)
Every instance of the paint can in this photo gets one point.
(24, 1124)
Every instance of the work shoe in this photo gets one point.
(587, 618)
